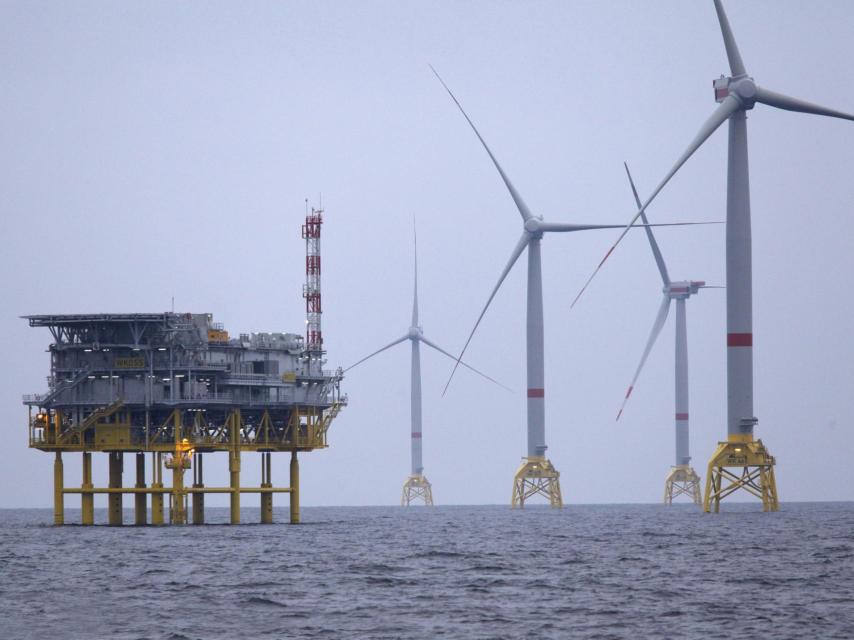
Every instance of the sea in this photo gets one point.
(585, 571)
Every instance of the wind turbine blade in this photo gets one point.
(520, 204)
(711, 286)
(567, 227)
(735, 63)
(480, 373)
(774, 99)
(388, 346)
(517, 251)
(656, 252)
(653, 336)
(724, 110)
(415, 289)
(564, 226)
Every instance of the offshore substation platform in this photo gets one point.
(177, 386)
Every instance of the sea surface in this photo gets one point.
(616, 571)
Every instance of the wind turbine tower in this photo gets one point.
(417, 487)
(682, 479)
(741, 462)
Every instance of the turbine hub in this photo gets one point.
(532, 226)
(415, 333)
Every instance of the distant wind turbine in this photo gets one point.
(417, 487)
(682, 479)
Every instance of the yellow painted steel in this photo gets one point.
(178, 462)
(682, 480)
(234, 465)
(87, 500)
(294, 488)
(173, 444)
(536, 476)
(266, 483)
(417, 487)
(755, 473)
(198, 497)
(217, 335)
(157, 485)
(114, 500)
(140, 506)
(58, 496)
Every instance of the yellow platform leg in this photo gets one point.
(87, 500)
(417, 487)
(58, 496)
(198, 498)
(294, 494)
(536, 475)
(755, 473)
(178, 462)
(140, 504)
(234, 472)
(234, 465)
(179, 512)
(114, 500)
(266, 482)
(157, 483)
(682, 480)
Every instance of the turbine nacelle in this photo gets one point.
(415, 333)
(683, 290)
(743, 88)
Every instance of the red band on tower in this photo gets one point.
(739, 340)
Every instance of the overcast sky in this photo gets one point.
(152, 150)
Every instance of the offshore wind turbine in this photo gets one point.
(682, 479)
(417, 487)
(736, 94)
(536, 475)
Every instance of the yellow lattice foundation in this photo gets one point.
(682, 480)
(417, 487)
(536, 476)
(755, 473)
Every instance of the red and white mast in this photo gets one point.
(311, 291)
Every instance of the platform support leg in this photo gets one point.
(87, 500)
(234, 471)
(157, 483)
(294, 494)
(266, 482)
(140, 502)
(198, 498)
(114, 500)
(58, 496)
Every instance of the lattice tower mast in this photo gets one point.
(311, 290)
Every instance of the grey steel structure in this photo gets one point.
(417, 486)
(177, 384)
(536, 475)
(682, 479)
(737, 94)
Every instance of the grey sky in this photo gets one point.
(161, 149)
